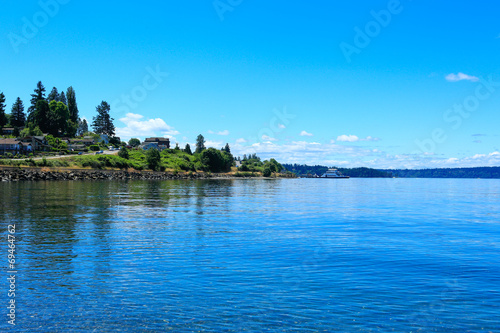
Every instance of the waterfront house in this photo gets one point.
(37, 143)
(157, 143)
(13, 146)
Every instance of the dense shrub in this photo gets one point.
(216, 160)
(153, 158)
(123, 153)
(267, 171)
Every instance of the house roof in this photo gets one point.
(159, 140)
(9, 141)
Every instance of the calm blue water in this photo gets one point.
(305, 255)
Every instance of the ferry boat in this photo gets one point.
(333, 173)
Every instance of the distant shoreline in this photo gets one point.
(486, 172)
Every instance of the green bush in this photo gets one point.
(123, 153)
(216, 160)
(153, 158)
(267, 172)
(94, 148)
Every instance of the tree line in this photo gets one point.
(305, 170)
(476, 172)
(55, 114)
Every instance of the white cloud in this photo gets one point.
(460, 76)
(330, 154)
(268, 138)
(304, 133)
(369, 138)
(213, 144)
(347, 138)
(136, 127)
(354, 138)
(241, 140)
(281, 126)
(224, 132)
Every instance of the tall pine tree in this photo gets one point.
(53, 95)
(17, 118)
(42, 116)
(187, 149)
(38, 95)
(200, 144)
(62, 98)
(72, 106)
(103, 123)
(3, 116)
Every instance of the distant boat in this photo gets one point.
(333, 173)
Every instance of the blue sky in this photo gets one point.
(385, 84)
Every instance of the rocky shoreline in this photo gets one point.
(45, 174)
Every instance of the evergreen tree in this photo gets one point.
(83, 127)
(71, 127)
(103, 123)
(53, 95)
(62, 98)
(42, 117)
(200, 144)
(71, 103)
(3, 116)
(38, 95)
(17, 117)
(227, 149)
(187, 149)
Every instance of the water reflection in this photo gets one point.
(255, 255)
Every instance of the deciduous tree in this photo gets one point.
(153, 158)
(134, 142)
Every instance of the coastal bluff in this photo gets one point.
(46, 174)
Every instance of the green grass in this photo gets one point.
(171, 160)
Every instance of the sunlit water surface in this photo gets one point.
(304, 255)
